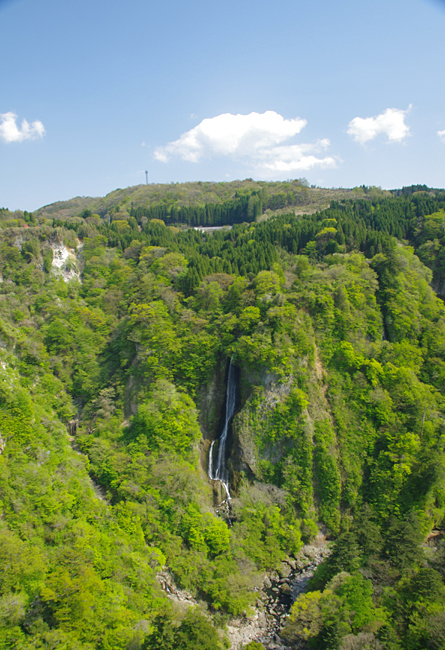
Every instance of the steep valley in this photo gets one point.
(232, 438)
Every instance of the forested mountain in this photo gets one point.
(171, 198)
(117, 327)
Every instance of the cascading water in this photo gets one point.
(218, 471)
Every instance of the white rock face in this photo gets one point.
(64, 262)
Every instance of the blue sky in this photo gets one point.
(342, 93)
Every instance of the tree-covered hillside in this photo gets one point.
(115, 336)
(295, 194)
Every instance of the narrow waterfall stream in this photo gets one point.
(218, 470)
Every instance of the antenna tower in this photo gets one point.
(146, 178)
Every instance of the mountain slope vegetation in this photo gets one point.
(119, 204)
(116, 329)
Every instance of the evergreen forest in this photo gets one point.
(118, 320)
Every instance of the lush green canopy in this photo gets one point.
(114, 341)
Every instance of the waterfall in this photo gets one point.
(219, 471)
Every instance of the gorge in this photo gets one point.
(171, 370)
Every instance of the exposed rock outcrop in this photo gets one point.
(64, 262)
(278, 592)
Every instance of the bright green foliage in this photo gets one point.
(66, 557)
(166, 419)
(328, 474)
(106, 380)
(266, 282)
(306, 616)
(267, 534)
(345, 607)
(194, 631)
(23, 572)
(204, 532)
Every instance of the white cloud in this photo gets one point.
(391, 122)
(295, 157)
(255, 136)
(10, 132)
(441, 135)
(229, 134)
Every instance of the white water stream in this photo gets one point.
(218, 471)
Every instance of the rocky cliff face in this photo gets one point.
(210, 402)
(245, 455)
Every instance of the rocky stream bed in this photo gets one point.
(279, 590)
